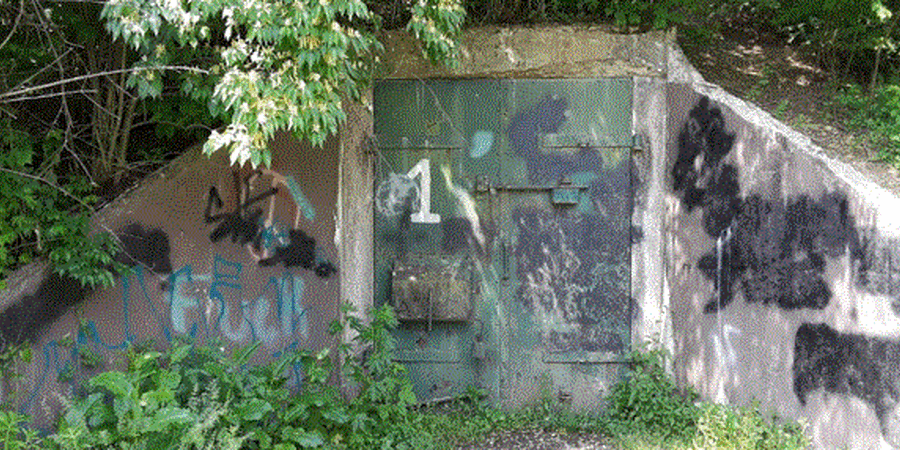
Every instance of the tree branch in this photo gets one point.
(47, 182)
(16, 24)
(6, 95)
(55, 94)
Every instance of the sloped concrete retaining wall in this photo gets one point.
(782, 270)
(221, 253)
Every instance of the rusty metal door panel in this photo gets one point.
(427, 225)
(502, 231)
(571, 266)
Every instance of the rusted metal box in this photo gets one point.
(432, 292)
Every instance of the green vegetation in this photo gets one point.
(42, 217)
(206, 397)
(79, 81)
(878, 114)
(645, 411)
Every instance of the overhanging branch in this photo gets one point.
(11, 95)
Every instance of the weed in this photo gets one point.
(722, 426)
(89, 358)
(13, 436)
(877, 114)
(647, 401)
(780, 112)
(12, 361)
(202, 397)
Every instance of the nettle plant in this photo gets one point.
(205, 397)
(276, 64)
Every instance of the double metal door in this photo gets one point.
(502, 231)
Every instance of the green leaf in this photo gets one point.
(253, 409)
(115, 382)
(303, 438)
(171, 416)
(406, 395)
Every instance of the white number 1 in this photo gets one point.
(422, 169)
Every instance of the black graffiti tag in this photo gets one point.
(243, 226)
(773, 248)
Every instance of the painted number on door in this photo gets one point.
(422, 169)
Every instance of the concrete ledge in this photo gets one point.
(541, 52)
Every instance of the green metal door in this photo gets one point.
(502, 232)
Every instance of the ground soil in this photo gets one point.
(541, 440)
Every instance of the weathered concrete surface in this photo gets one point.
(252, 256)
(652, 320)
(239, 255)
(539, 52)
(353, 235)
(781, 270)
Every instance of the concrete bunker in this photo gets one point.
(559, 198)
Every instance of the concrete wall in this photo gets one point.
(781, 270)
(239, 255)
(767, 268)
(268, 255)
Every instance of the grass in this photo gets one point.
(645, 411)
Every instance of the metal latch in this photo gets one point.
(564, 192)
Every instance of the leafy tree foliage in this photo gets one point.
(76, 96)
(38, 217)
(275, 64)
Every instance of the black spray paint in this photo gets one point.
(301, 251)
(243, 225)
(847, 364)
(147, 248)
(575, 264)
(24, 320)
(774, 249)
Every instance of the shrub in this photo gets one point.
(13, 436)
(647, 401)
(202, 397)
(878, 113)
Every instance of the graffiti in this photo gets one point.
(465, 204)
(525, 130)
(268, 242)
(24, 320)
(147, 248)
(396, 195)
(574, 269)
(201, 306)
(482, 141)
(400, 195)
(301, 251)
(776, 249)
(849, 364)
(700, 174)
(456, 232)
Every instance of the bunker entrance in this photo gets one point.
(502, 232)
